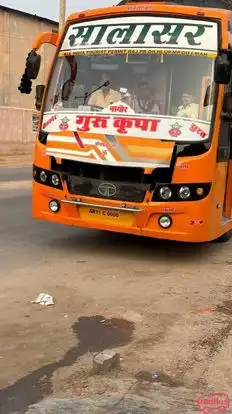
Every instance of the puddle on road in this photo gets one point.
(94, 334)
(98, 333)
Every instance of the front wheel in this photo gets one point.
(224, 238)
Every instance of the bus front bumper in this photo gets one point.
(189, 221)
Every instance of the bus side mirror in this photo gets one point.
(33, 63)
(31, 72)
(39, 96)
(222, 69)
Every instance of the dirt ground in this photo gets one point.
(165, 307)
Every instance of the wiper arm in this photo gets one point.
(88, 94)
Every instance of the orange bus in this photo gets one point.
(135, 121)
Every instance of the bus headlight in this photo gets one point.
(165, 193)
(43, 176)
(55, 180)
(49, 178)
(184, 192)
(174, 192)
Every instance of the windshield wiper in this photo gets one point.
(88, 94)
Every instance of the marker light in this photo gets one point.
(200, 191)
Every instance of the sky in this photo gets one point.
(49, 8)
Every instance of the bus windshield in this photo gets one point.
(169, 85)
(135, 75)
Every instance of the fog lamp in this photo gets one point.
(165, 222)
(54, 206)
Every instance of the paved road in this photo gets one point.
(15, 174)
(26, 246)
(168, 310)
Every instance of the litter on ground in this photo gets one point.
(44, 299)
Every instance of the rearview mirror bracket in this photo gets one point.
(39, 96)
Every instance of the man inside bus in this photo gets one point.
(124, 105)
(104, 96)
(188, 109)
(144, 101)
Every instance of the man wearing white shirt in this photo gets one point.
(188, 109)
(104, 96)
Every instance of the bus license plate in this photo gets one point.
(100, 212)
(104, 214)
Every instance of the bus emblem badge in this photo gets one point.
(107, 189)
(64, 124)
(175, 130)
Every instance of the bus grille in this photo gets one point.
(113, 190)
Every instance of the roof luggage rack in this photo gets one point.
(218, 4)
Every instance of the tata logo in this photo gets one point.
(107, 189)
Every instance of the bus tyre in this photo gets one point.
(225, 237)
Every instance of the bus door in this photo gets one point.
(224, 156)
(224, 153)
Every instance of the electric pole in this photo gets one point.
(62, 14)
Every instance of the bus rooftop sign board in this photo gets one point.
(140, 32)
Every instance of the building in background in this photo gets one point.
(17, 33)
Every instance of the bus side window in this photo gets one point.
(230, 29)
(224, 139)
